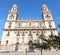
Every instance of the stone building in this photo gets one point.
(17, 33)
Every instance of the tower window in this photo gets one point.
(43, 9)
(50, 25)
(46, 9)
(9, 25)
(7, 42)
(8, 34)
(11, 17)
(15, 9)
(48, 16)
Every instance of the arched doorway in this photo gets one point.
(16, 47)
(30, 43)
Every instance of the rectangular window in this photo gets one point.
(9, 25)
(7, 42)
(30, 34)
(18, 34)
(23, 34)
(8, 34)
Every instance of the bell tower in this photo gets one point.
(12, 15)
(10, 26)
(48, 20)
(46, 14)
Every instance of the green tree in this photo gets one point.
(41, 44)
(47, 43)
(54, 42)
(44, 43)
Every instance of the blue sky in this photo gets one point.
(29, 9)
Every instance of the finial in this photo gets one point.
(44, 5)
(14, 5)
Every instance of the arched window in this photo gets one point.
(47, 16)
(50, 24)
(45, 9)
(11, 17)
(15, 9)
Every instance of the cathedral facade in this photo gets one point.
(17, 33)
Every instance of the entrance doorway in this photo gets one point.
(16, 47)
